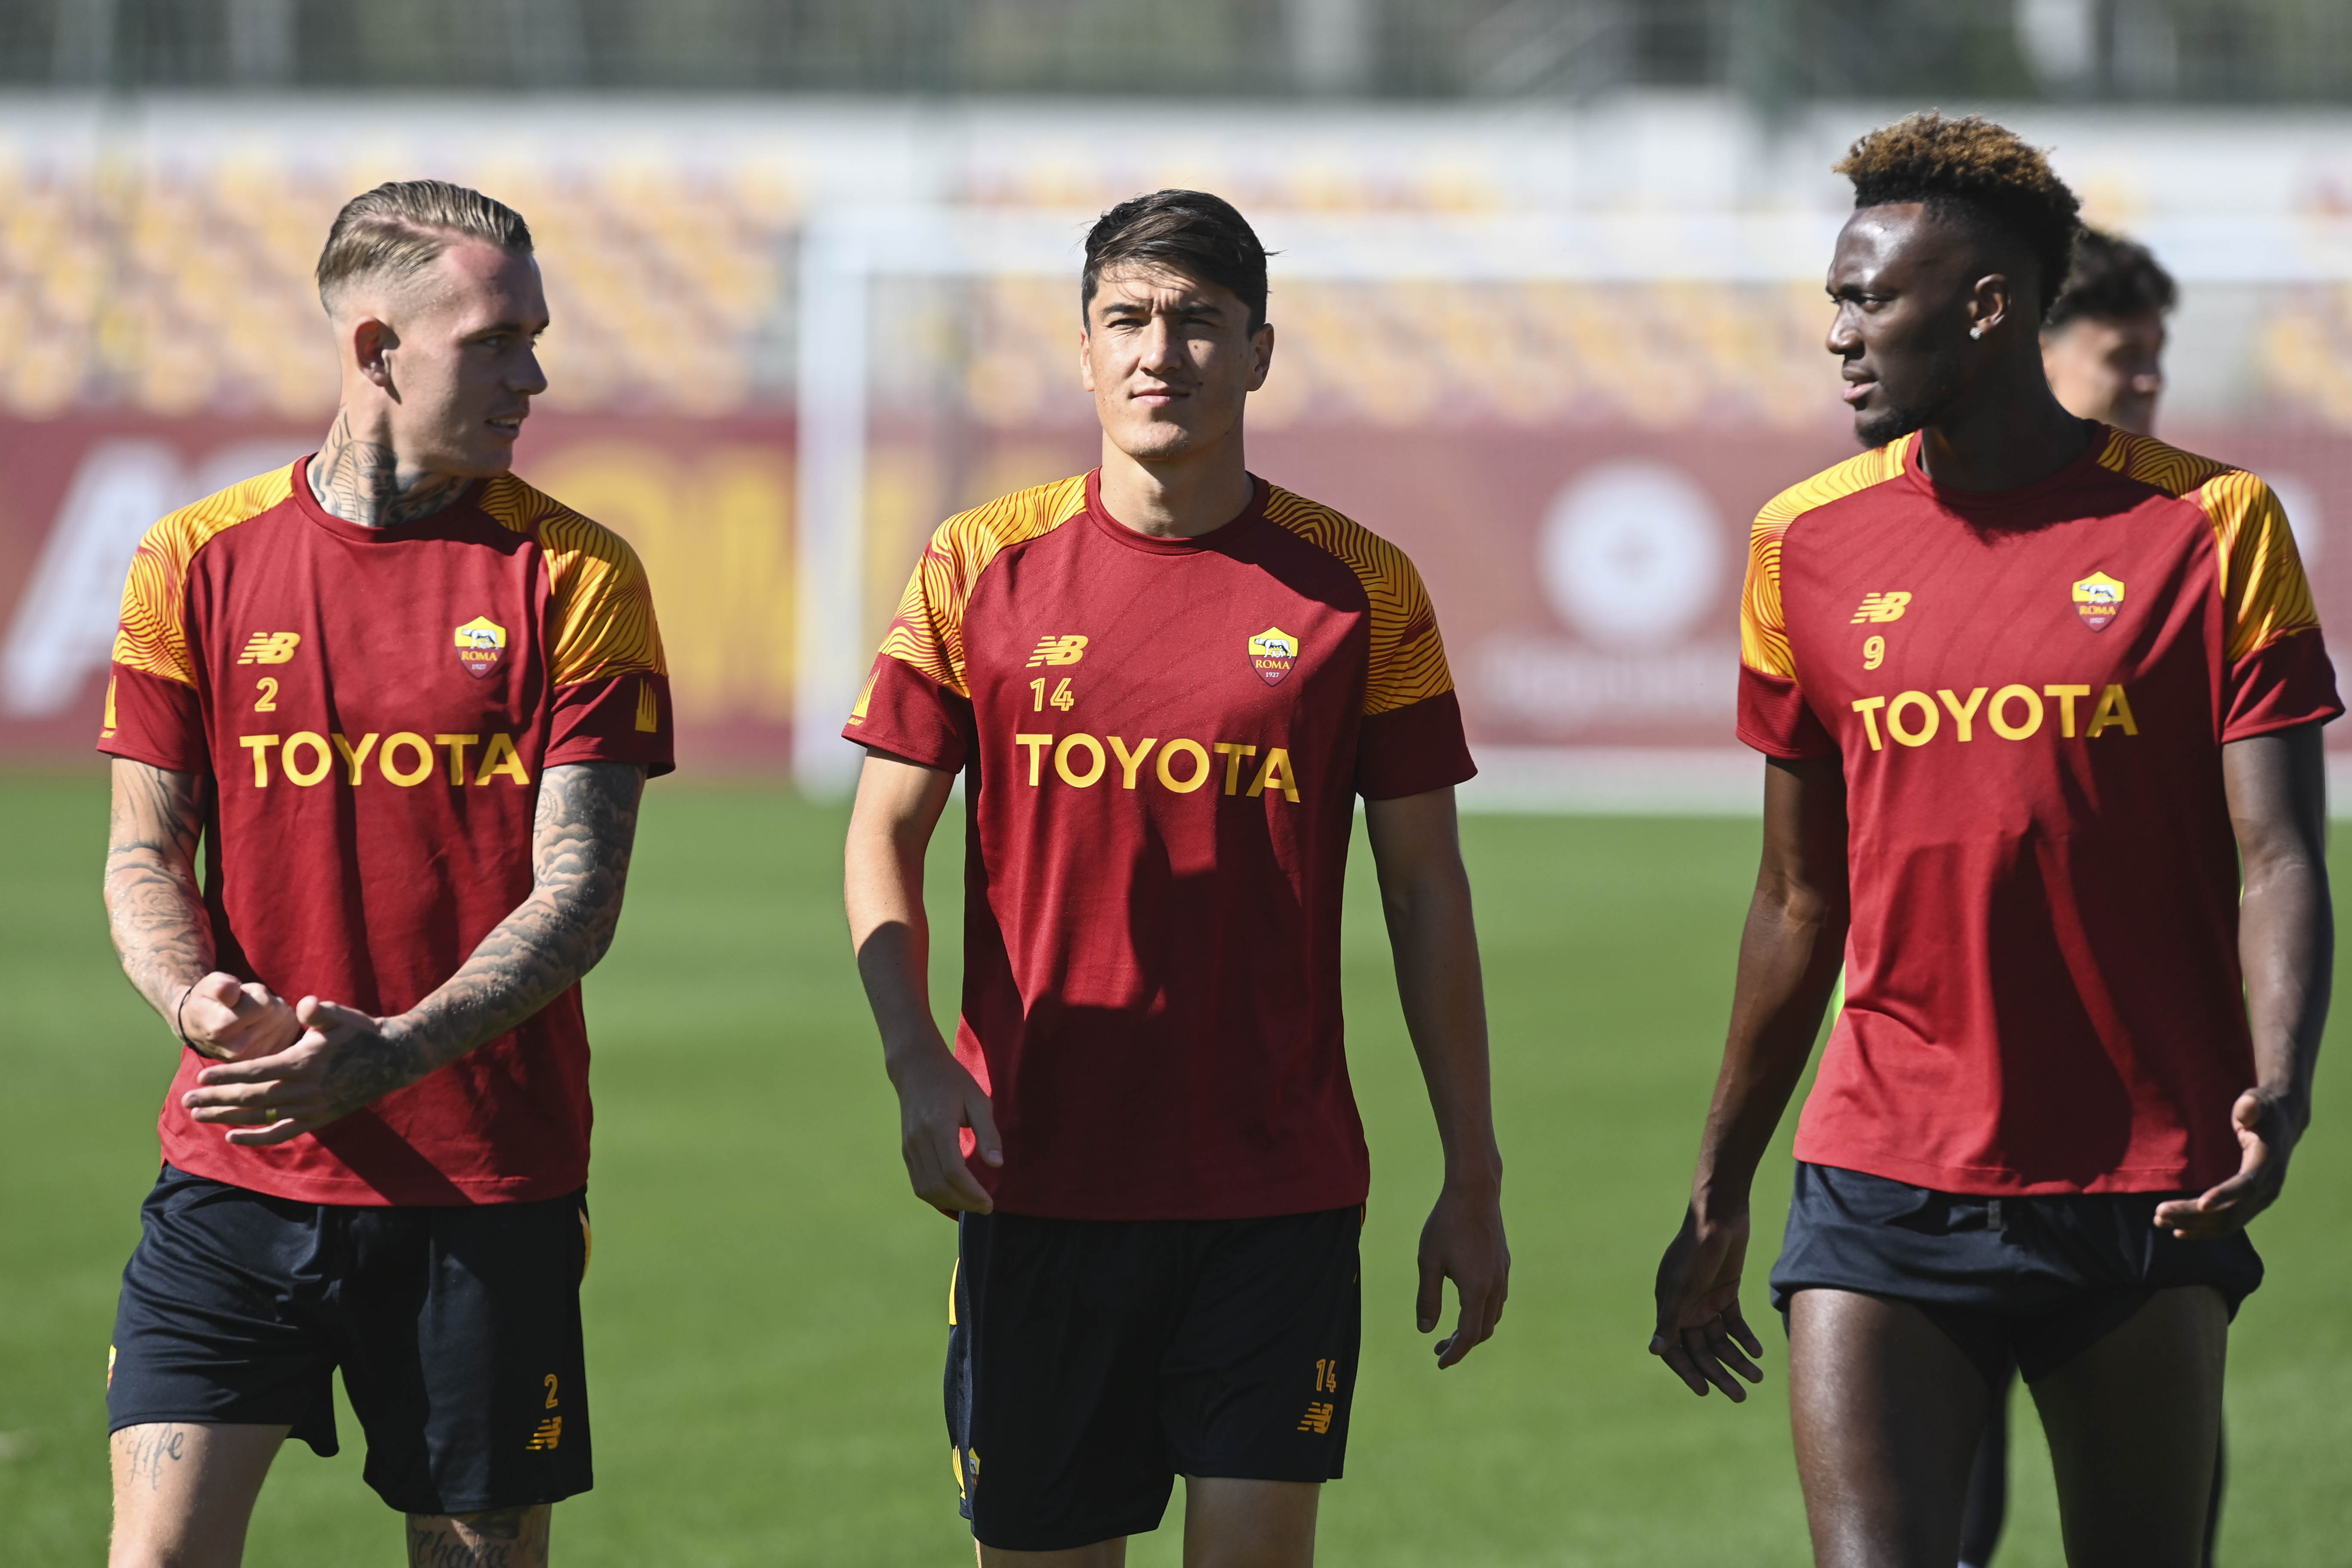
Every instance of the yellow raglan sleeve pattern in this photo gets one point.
(928, 632)
(602, 622)
(1763, 624)
(2263, 588)
(1408, 654)
(152, 634)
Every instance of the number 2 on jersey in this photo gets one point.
(267, 701)
(1061, 699)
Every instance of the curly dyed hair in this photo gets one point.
(1976, 173)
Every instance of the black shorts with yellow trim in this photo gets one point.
(1092, 1362)
(2020, 1284)
(457, 1331)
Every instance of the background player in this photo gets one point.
(2103, 350)
(2033, 1138)
(1168, 681)
(408, 703)
(2103, 343)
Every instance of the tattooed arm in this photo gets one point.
(161, 928)
(587, 826)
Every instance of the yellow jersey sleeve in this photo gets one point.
(1407, 656)
(152, 636)
(928, 632)
(602, 621)
(2264, 591)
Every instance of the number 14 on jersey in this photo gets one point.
(1061, 699)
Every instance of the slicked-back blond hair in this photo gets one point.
(400, 228)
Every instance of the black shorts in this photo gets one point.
(2021, 1283)
(1092, 1362)
(457, 1331)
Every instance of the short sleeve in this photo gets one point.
(1413, 740)
(915, 704)
(908, 715)
(612, 699)
(2278, 673)
(1413, 749)
(1773, 716)
(154, 712)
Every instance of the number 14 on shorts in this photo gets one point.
(1317, 1418)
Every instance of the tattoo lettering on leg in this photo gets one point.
(153, 1448)
(501, 1538)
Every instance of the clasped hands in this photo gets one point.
(273, 1077)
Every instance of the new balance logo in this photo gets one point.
(1317, 1418)
(550, 1433)
(271, 647)
(1058, 651)
(1881, 607)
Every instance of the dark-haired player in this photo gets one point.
(2029, 688)
(2102, 348)
(2102, 341)
(1166, 682)
(408, 705)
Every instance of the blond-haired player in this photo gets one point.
(407, 704)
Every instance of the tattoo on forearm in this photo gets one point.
(153, 904)
(586, 830)
(372, 1065)
(150, 1449)
(360, 481)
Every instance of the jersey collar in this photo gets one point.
(1219, 539)
(2087, 464)
(465, 510)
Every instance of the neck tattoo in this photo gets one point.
(359, 481)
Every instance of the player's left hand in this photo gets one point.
(2267, 1131)
(1463, 1242)
(344, 1060)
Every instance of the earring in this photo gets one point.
(1976, 332)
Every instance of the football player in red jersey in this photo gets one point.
(1166, 683)
(407, 704)
(2032, 691)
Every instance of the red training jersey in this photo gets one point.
(2030, 692)
(1162, 740)
(374, 708)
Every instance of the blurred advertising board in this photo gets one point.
(1559, 354)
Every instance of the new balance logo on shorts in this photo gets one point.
(1317, 1418)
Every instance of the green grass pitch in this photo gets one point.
(766, 1307)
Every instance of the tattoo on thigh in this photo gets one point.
(153, 1448)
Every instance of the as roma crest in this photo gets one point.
(481, 643)
(1272, 653)
(2098, 598)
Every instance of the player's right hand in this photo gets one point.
(229, 1021)
(938, 1099)
(1700, 1332)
